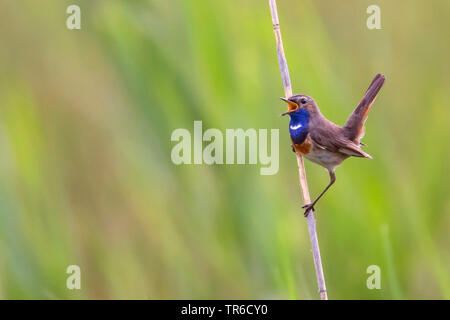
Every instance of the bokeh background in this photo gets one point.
(86, 177)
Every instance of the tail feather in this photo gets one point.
(354, 127)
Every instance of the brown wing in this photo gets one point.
(354, 128)
(334, 140)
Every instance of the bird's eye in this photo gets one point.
(303, 100)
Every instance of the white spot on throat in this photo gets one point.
(296, 127)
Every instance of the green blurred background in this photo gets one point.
(86, 177)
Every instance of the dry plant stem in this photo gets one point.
(301, 167)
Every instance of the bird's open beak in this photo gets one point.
(291, 105)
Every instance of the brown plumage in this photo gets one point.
(323, 142)
(354, 127)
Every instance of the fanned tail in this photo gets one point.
(354, 128)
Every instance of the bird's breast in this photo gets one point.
(303, 148)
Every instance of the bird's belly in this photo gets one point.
(323, 157)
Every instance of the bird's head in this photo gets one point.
(298, 103)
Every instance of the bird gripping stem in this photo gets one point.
(301, 167)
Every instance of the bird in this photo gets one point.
(324, 142)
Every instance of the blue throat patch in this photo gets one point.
(298, 126)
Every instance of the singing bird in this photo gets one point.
(323, 142)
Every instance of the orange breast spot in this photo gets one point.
(305, 147)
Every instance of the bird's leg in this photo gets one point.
(310, 206)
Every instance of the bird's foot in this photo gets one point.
(308, 208)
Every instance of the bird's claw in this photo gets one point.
(308, 208)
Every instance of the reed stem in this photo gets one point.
(301, 166)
